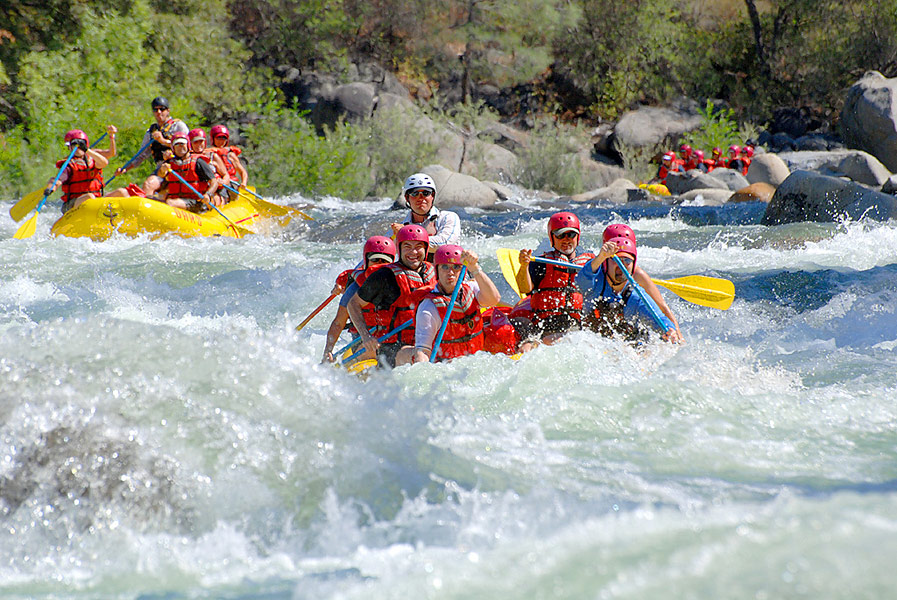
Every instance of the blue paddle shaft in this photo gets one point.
(641, 294)
(385, 336)
(448, 313)
(133, 158)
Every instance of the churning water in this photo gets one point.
(165, 433)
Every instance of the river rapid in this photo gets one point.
(165, 433)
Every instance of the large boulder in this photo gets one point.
(756, 192)
(807, 196)
(869, 117)
(679, 184)
(768, 168)
(856, 165)
(459, 190)
(705, 197)
(649, 126)
(729, 178)
(619, 191)
(489, 160)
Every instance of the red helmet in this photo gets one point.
(618, 230)
(717, 151)
(76, 134)
(379, 245)
(196, 134)
(217, 130)
(563, 221)
(684, 148)
(734, 148)
(412, 233)
(668, 156)
(449, 254)
(624, 244)
(748, 151)
(699, 154)
(178, 135)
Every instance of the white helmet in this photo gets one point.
(419, 180)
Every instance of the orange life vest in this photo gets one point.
(225, 153)
(84, 177)
(557, 293)
(464, 332)
(413, 285)
(186, 169)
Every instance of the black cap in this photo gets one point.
(160, 101)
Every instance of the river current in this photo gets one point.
(166, 433)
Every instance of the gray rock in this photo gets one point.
(730, 179)
(459, 190)
(890, 186)
(869, 117)
(503, 192)
(648, 126)
(597, 174)
(856, 165)
(705, 197)
(807, 196)
(618, 192)
(355, 101)
(768, 168)
(693, 180)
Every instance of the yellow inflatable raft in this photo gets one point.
(655, 188)
(99, 218)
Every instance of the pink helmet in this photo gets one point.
(668, 156)
(196, 134)
(379, 245)
(618, 230)
(178, 135)
(624, 244)
(562, 221)
(412, 233)
(449, 254)
(685, 149)
(76, 134)
(217, 130)
(717, 151)
(748, 151)
(734, 148)
(699, 154)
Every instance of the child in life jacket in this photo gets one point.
(464, 332)
(83, 176)
(378, 251)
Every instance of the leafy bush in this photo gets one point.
(550, 160)
(639, 162)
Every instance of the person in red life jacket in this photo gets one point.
(230, 155)
(734, 161)
(394, 291)
(464, 331)
(555, 300)
(695, 161)
(378, 251)
(719, 161)
(195, 171)
(158, 136)
(667, 165)
(746, 156)
(197, 139)
(83, 177)
(685, 155)
(618, 230)
(443, 226)
(612, 306)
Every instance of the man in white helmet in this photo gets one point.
(443, 226)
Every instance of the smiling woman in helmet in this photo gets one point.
(83, 176)
(443, 226)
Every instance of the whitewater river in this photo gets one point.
(165, 433)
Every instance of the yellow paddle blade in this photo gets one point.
(27, 228)
(362, 365)
(509, 262)
(26, 205)
(269, 209)
(700, 289)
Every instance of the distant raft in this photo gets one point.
(658, 189)
(100, 218)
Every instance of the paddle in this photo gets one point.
(315, 312)
(274, 209)
(30, 226)
(448, 313)
(385, 336)
(132, 159)
(237, 230)
(652, 308)
(29, 201)
(713, 292)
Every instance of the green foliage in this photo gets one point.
(550, 161)
(718, 128)
(396, 148)
(640, 162)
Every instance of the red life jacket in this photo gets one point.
(662, 172)
(557, 293)
(413, 286)
(499, 335)
(359, 276)
(84, 177)
(225, 153)
(186, 169)
(745, 164)
(464, 332)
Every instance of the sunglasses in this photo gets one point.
(420, 194)
(627, 262)
(221, 137)
(451, 267)
(80, 143)
(567, 235)
(159, 108)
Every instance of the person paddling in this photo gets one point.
(612, 306)
(198, 147)
(443, 226)
(556, 302)
(230, 155)
(464, 332)
(616, 230)
(83, 176)
(160, 134)
(394, 292)
(196, 172)
(378, 251)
